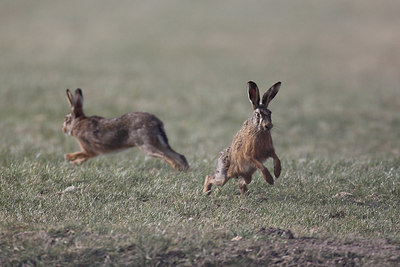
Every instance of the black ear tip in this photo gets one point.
(251, 84)
(79, 91)
(279, 83)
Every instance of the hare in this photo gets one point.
(250, 147)
(97, 135)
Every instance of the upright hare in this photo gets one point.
(97, 135)
(250, 147)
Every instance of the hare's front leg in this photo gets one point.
(77, 157)
(72, 156)
(267, 176)
(277, 165)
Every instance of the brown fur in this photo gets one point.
(251, 146)
(97, 135)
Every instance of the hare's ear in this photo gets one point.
(271, 93)
(78, 104)
(70, 98)
(254, 94)
(79, 98)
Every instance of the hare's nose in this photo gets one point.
(268, 126)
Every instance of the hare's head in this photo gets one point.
(76, 103)
(261, 117)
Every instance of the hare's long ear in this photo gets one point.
(70, 98)
(271, 93)
(78, 104)
(254, 94)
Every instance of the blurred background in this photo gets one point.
(188, 62)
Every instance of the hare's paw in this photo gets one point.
(277, 171)
(79, 161)
(207, 185)
(277, 168)
(77, 157)
(69, 156)
(268, 178)
(73, 156)
(177, 167)
(242, 186)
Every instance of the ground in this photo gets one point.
(336, 131)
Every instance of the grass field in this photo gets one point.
(336, 117)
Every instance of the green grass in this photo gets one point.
(337, 131)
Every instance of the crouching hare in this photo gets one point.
(97, 135)
(250, 147)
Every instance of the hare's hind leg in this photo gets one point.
(214, 180)
(207, 184)
(176, 160)
(156, 145)
(221, 174)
